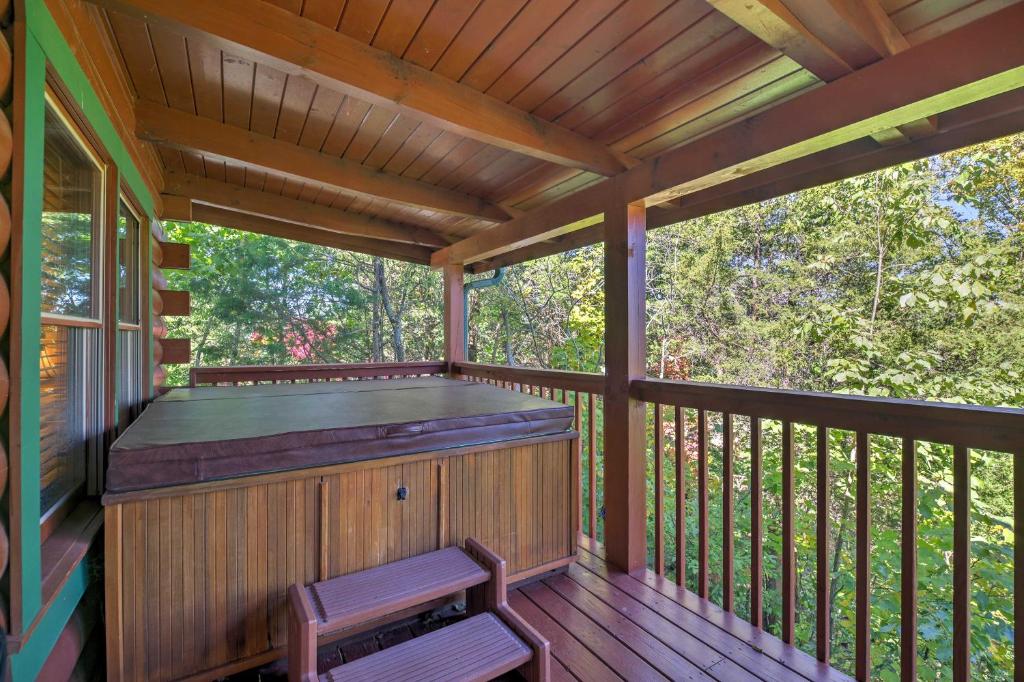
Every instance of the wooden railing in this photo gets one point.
(962, 428)
(687, 417)
(290, 374)
(583, 390)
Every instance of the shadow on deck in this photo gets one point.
(604, 624)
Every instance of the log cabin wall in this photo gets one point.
(49, 624)
(6, 148)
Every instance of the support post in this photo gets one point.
(454, 329)
(625, 348)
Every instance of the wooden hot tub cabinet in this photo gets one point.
(196, 574)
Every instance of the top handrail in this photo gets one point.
(355, 370)
(584, 382)
(972, 426)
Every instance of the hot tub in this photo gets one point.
(219, 498)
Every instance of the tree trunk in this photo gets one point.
(394, 314)
(509, 357)
(376, 323)
(880, 265)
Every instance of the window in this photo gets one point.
(71, 377)
(129, 330)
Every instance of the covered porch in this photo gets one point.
(469, 137)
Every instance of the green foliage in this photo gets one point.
(259, 300)
(905, 283)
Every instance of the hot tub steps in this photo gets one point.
(494, 640)
(382, 591)
(478, 648)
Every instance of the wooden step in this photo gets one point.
(478, 648)
(378, 592)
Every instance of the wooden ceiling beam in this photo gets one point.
(868, 22)
(266, 33)
(923, 81)
(773, 23)
(180, 130)
(247, 200)
(246, 222)
(973, 124)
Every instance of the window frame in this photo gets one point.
(125, 198)
(96, 414)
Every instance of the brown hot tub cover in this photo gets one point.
(192, 435)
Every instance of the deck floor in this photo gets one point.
(604, 624)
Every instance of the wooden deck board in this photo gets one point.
(604, 624)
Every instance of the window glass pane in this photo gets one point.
(72, 192)
(69, 410)
(128, 266)
(129, 377)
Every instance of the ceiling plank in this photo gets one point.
(772, 22)
(923, 81)
(979, 122)
(213, 215)
(263, 32)
(247, 200)
(180, 130)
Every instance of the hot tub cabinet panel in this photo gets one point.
(365, 524)
(197, 574)
(520, 502)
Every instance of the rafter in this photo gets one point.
(235, 197)
(866, 23)
(179, 130)
(860, 33)
(266, 33)
(774, 24)
(973, 124)
(222, 217)
(922, 81)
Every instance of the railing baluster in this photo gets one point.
(659, 491)
(592, 465)
(862, 651)
(962, 564)
(1018, 565)
(702, 503)
(824, 587)
(908, 560)
(788, 533)
(728, 523)
(756, 532)
(680, 496)
(577, 423)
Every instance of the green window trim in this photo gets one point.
(45, 47)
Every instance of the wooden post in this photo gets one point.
(624, 417)
(454, 332)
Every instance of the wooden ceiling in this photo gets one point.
(424, 122)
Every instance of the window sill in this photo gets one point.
(67, 546)
(60, 555)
